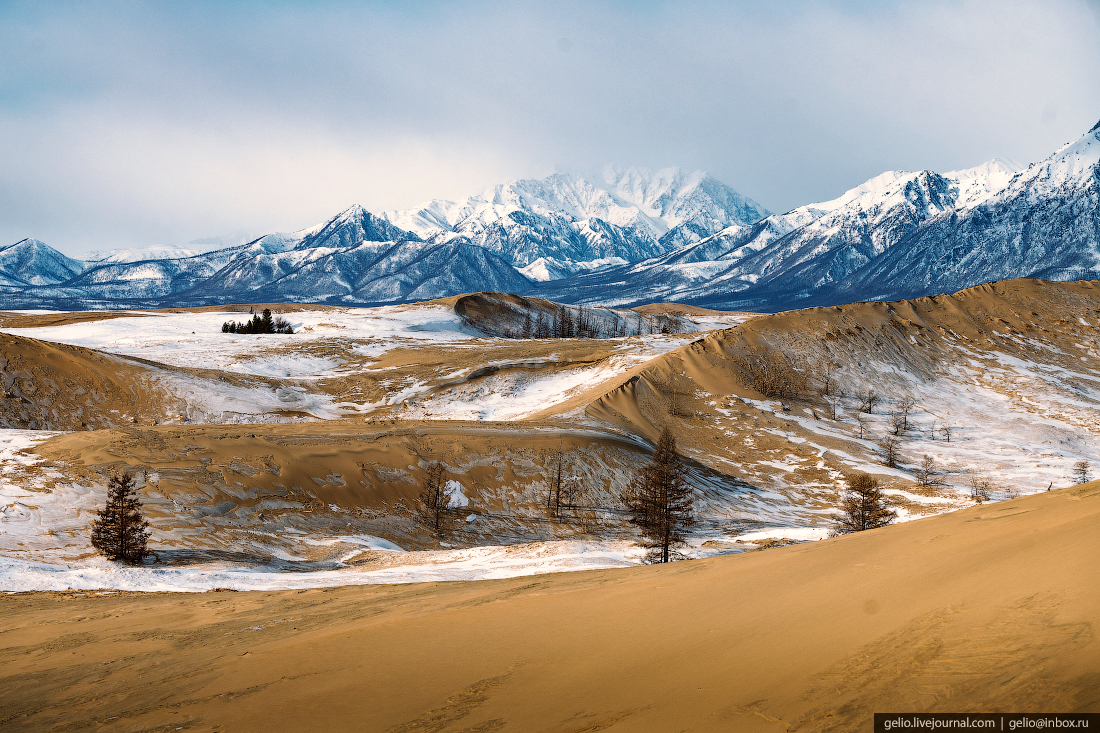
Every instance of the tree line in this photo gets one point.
(583, 322)
(259, 324)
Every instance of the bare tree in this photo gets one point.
(863, 506)
(862, 422)
(889, 448)
(898, 422)
(926, 471)
(945, 431)
(827, 374)
(433, 504)
(661, 502)
(120, 531)
(557, 467)
(981, 488)
(868, 400)
(905, 408)
(834, 403)
(1081, 472)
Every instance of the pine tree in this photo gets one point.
(120, 532)
(661, 502)
(863, 506)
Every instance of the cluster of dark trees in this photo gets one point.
(120, 531)
(259, 324)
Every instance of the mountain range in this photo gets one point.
(629, 236)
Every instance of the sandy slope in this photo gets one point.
(991, 608)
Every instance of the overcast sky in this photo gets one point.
(139, 124)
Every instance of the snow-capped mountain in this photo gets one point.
(576, 238)
(1045, 223)
(368, 272)
(804, 252)
(31, 262)
(354, 257)
(142, 254)
(567, 220)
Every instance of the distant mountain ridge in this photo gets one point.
(631, 236)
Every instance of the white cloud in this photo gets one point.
(136, 125)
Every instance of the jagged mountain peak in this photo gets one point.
(351, 227)
(577, 217)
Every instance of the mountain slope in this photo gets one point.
(1045, 223)
(142, 279)
(369, 272)
(31, 262)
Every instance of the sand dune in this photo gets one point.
(991, 608)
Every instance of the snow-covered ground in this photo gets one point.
(1016, 424)
(336, 343)
(195, 340)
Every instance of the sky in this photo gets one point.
(156, 124)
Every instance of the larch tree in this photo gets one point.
(433, 505)
(120, 531)
(661, 502)
(863, 506)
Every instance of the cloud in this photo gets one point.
(140, 124)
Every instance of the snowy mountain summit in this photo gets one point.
(567, 221)
(898, 235)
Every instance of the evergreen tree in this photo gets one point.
(259, 324)
(661, 502)
(120, 532)
(863, 506)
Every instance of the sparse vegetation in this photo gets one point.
(433, 504)
(926, 472)
(120, 531)
(981, 487)
(889, 450)
(868, 400)
(771, 374)
(826, 373)
(900, 417)
(863, 506)
(259, 324)
(661, 502)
